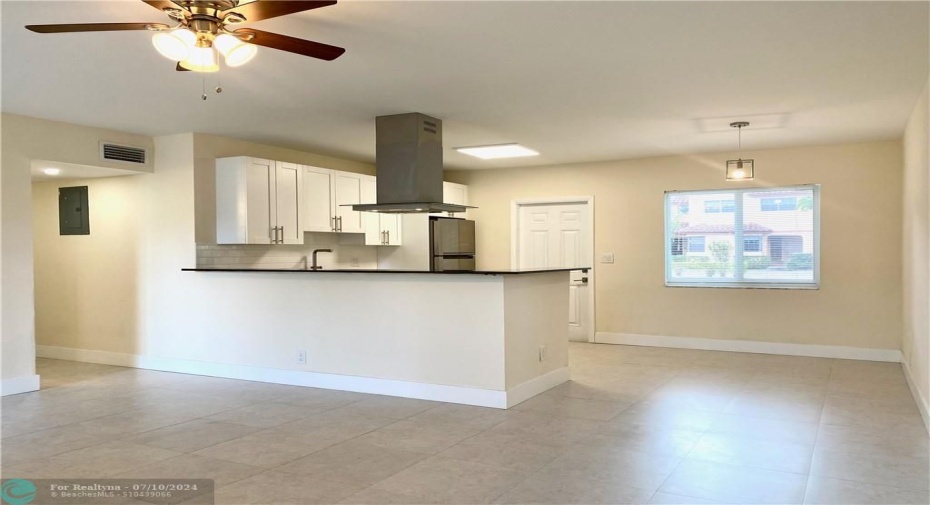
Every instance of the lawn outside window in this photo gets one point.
(752, 237)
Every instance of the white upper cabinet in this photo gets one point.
(257, 201)
(273, 202)
(347, 190)
(454, 193)
(326, 194)
(287, 202)
(380, 228)
(318, 199)
(391, 226)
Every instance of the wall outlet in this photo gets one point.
(607, 257)
(542, 353)
(301, 357)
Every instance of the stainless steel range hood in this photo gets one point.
(408, 159)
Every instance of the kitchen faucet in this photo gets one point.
(315, 266)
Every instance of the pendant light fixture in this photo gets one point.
(739, 169)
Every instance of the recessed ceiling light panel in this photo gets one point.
(498, 151)
(51, 171)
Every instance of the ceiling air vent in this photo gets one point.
(123, 154)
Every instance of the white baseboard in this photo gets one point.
(922, 405)
(19, 385)
(373, 385)
(712, 344)
(532, 387)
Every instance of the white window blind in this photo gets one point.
(753, 237)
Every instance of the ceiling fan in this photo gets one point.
(207, 26)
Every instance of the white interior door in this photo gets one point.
(559, 235)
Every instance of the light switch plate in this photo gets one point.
(607, 257)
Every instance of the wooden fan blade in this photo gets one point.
(179, 68)
(291, 44)
(95, 27)
(267, 9)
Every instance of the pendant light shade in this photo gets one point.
(740, 169)
(175, 45)
(201, 59)
(234, 50)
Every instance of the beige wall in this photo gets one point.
(858, 305)
(916, 250)
(87, 286)
(25, 139)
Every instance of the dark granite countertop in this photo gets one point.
(373, 271)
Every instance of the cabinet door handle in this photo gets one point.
(333, 221)
(388, 241)
(273, 232)
(281, 240)
(339, 220)
(382, 237)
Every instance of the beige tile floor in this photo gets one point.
(635, 425)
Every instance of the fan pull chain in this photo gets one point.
(219, 88)
(203, 87)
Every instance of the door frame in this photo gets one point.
(588, 202)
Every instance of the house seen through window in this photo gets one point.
(757, 237)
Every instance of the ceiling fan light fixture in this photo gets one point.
(235, 51)
(201, 59)
(175, 45)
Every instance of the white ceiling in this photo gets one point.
(72, 171)
(576, 81)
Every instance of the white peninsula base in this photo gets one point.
(492, 340)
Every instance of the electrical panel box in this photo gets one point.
(73, 216)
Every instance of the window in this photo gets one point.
(740, 241)
(718, 206)
(770, 204)
(695, 244)
(752, 244)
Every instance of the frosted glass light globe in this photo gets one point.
(175, 45)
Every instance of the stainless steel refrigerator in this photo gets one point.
(451, 244)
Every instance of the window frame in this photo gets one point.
(737, 218)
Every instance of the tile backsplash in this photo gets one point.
(347, 253)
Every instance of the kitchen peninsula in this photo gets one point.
(487, 338)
